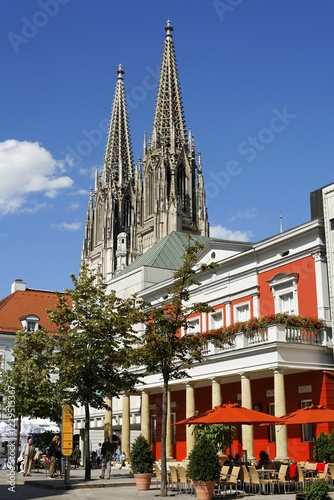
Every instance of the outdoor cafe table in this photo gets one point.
(266, 474)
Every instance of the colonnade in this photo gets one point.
(216, 397)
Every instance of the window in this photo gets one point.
(30, 322)
(173, 429)
(154, 429)
(193, 326)
(31, 326)
(286, 303)
(272, 429)
(285, 292)
(216, 320)
(308, 429)
(241, 312)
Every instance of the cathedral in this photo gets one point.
(134, 207)
(137, 224)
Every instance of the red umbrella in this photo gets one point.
(230, 414)
(313, 414)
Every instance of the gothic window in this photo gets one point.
(99, 224)
(181, 186)
(150, 193)
(126, 215)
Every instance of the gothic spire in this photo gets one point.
(118, 161)
(169, 123)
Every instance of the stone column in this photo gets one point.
(169, 429)
(247, 430)
(108, 419)
(126, 425)
(215, 392)
(190, 412)
(145, 415)
(280, 410)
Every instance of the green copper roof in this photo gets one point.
(166, 254)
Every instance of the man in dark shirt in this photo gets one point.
(53, 451)
(107, 451)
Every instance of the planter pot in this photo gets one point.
(143, 481)
(204, 490)
(299, 496)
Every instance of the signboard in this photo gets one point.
(67, 430)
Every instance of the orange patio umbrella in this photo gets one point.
(313, 414)
(230, 414)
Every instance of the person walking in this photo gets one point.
(77, 456)
(106, 455)
(28, 457)
(54, 447)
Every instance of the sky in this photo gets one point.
(257, 82)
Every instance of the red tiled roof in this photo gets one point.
(23, 303)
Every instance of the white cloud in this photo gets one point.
(223, 233)
(27, 168)
(246, 214)
(68, 226)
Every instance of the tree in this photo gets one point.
(95, 335)
(161, 348)
(30, 383)
(220, 435)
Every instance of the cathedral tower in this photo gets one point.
(130, 211)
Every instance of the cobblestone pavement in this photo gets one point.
(39, 487)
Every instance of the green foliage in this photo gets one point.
(161, 348)
(203, 461)
(43, 440)
(31, 377)
(318, 490)
(95, 335)
(142, 459)
(219, 435)
(324, 450)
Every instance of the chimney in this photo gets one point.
(18, 285)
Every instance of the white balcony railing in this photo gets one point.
(273, 333)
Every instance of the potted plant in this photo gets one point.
(318, 490)
(203, 468)
(142, 461)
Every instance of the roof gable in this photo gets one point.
(23, 303)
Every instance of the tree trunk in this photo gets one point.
(163, 489)
(86, 441)
(17, 442)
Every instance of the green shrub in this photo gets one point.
(318, 490)
(203, 461)
(142, 459)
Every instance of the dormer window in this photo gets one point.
(30, 322)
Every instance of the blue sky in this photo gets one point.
(257, 83)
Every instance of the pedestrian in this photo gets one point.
(54, 448)
(106, 455)
(122, 458)
(77, 456)
(28, 457)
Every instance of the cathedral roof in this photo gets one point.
(169, 123)
(166, 254)
(118, 161)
